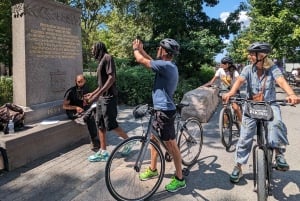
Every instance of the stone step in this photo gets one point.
(38, 140)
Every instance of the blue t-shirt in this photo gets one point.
(255, 84)
(166, 80)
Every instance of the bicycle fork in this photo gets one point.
(145, 144)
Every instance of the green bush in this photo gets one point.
(91, 81)
(6, 90)
(135, 85)
(206, 74)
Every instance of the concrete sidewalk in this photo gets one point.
(68, 175)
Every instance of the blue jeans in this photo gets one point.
(277, 135)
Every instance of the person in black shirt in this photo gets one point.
(106, 97)
(75, 105)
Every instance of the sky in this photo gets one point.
(222, 11)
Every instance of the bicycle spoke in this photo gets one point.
(122, 178)
(190, 141)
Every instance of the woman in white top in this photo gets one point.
(227, 74)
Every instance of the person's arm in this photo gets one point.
(99, 91)
(140, 55)
(291, 96)
(67, 106)
(237, 84)
(211, 82)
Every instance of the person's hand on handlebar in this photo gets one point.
(293, 99)
(226, 96)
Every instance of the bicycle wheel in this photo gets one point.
(261, 176)
(121, 177)
(190, 141)
(225, 127)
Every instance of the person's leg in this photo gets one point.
(120, 132)
(238, 111)
(110, 111)
(278, 139)
(177, 181)
(174, 151)
(102, 154)
(93, 131)
(152, 169)
(165, 120)
(243, 148)
(102, 137)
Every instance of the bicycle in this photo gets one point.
(262, 153)
(228, 122)
(189, 136)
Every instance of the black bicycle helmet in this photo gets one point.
(260, 47)
(170, 45)
(226, 60)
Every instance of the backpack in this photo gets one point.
(10, 111)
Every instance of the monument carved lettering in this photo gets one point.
(47, 13)
(52, 41)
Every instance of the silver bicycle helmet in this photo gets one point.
(170, 45)
(260, 47)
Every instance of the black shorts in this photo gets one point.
(164, 121)
(106, 113)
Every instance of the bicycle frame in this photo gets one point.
(151, 131)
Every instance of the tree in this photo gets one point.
(275, 22)
(6, 34)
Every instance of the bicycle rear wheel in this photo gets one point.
(225, 127)
(122, 178)
(261, 175)
(190, 141)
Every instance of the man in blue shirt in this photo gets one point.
(166, 79)
(261, 77)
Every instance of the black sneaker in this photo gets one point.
(281, 163)
(236, 175)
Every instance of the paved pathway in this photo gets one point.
(68, 176)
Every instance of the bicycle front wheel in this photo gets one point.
(261, 176)
(121, 175)
(225, 127)
(190, 141)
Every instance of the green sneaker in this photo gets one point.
(175, 185)
(99, 156)
(148, 174)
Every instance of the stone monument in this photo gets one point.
(47, 55)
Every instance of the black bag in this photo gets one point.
(10, 111)
(258, 110)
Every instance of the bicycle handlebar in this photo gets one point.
(281, 102)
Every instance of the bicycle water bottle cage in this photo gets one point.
(140, 111)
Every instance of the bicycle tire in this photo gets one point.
(270, 169)
(261, 175)
(190, 141)
(225, 129)
(122, 180)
